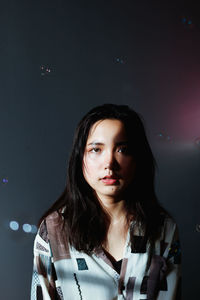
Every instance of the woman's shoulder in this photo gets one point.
(54, 219)
(54, 222)
(42, 231)
(170, 228)
(169, 221)
(51, 223)
(41, 243)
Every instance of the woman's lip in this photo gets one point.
(109, 180)
(111, 177)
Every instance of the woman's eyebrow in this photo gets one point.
(117, 144)
(95, 143)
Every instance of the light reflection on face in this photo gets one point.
(108, 165)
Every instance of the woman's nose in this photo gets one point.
(110, 161)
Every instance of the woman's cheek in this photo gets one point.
(89, 166)
(129, 167)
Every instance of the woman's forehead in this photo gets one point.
(107, 129)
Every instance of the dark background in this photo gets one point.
(58, 59)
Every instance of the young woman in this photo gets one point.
(107, 237)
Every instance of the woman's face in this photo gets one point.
(108, 165)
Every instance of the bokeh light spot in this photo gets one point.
(164, 137)
(197, 142)
(198, 227)
(45, 70)
(33, 228)
(5, 180)
(14, 225)
(120, 60)
(27, 228)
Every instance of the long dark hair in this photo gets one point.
(86, 222)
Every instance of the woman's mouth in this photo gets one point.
(109, 180)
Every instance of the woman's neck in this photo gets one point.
(114, 208)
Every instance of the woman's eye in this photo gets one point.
(123, 150)
(95, 150)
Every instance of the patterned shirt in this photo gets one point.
(62, 272)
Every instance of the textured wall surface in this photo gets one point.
(60, 58)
